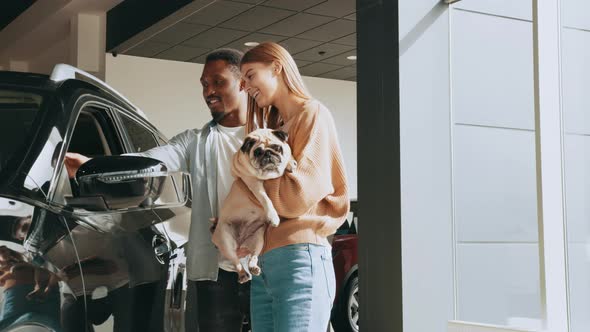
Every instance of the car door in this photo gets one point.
(121, 284)
(142, 137)
(35, 271)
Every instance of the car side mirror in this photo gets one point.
(113, 183)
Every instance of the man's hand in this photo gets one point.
(73, 161)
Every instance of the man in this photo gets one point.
(221, 303)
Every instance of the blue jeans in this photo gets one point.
(295, 291)
(18, 309)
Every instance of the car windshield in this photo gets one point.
(18, 110)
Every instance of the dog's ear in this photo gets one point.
(248, 144)
(281, 135)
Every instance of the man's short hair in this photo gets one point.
(231, 56)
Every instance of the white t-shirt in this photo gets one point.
(230, 140)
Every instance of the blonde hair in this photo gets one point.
(268, 117)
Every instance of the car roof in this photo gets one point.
(19, 79)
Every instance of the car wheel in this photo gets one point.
(346, 317)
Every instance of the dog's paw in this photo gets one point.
(274, 219)
(244, 277)
(255, 270)
(291, 166)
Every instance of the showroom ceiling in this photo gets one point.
(321, 34)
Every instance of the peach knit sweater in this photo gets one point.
(313, 200)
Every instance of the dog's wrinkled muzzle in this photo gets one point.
(268, 159)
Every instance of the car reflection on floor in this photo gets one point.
(29, 293)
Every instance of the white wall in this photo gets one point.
(575, 52)
(427, 233)
(169, 92)
(494, 175)
(470, 239)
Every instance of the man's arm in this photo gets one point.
(174, 155)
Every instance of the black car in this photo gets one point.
(98, 251)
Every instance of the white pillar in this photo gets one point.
(549, 151)
(88, 43)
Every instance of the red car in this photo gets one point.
(345, 313)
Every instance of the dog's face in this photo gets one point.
(268, 153)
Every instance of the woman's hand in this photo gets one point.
(73, 161)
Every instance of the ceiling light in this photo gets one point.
(351, 57)
(251, 44)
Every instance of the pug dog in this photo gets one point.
(242, 220)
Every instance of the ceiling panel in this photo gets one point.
(302, 63)
(179, 32)
(181, 53)
(249, 1)
(296, 24)
(200, 59)
(340, 74)
(215, 38)
(341, 59)
(351, 17)
(148, 49)
(218, 12)
(297, 5)
(320, 34)
(322, 52)
(296, 45)
(253, 37)
(131, 21)
(334, 8)
(256, 18)
(318, 68)
(349, 40)
(330, 31)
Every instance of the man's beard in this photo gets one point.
(218, 115)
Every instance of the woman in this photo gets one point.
(296, 288)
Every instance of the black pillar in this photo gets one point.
(380, 250)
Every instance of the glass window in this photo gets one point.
(18, 110)
(94, 134)
(141, 137)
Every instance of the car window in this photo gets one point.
(94, 135)
(18, 110)
(141, 137)
(161, 141)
